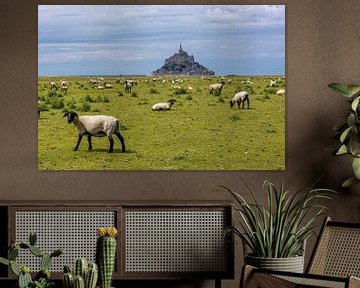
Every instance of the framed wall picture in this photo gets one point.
(161, 87)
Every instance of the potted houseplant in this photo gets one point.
(275, 234)
(348, 132)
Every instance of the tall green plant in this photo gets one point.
(349, 131)
(279, 229)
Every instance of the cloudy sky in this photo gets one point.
(136, 39)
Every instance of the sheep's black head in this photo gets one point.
(70, 116)
(232, 102)
(172, 101)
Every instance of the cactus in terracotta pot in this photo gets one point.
(106, 254)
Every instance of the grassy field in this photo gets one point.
(200, 132)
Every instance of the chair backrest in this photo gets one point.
(337, 251)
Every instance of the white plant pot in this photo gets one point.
(291, 264)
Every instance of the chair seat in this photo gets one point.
(334, 263)
(268, 279)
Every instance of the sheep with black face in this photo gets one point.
(240, 98)
(97, 126)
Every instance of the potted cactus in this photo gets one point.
(84, 275)
(106, 254)
(42, 278)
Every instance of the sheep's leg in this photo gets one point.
(89, 140)
(78, 142)
(248, 103)
(121, 140)
(111, 147)
(243, 104)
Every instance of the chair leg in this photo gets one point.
(246, 273)
(217, 283)
(250, 278)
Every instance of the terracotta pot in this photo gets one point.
(291, 264)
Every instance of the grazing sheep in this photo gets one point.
(239, 98)
(100, 87)
(108, 86)
(93, 82)
(280, 92)
(98, 126)
(119, 80)
(63, 83)
(53, 85)
(163, 106)
(216, 87)
(128, 85)
(272, 83)
(64, 89)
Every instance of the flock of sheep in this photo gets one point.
(104, 125)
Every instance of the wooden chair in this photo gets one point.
(335, 262)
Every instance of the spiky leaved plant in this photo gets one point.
(106, 254)
(279, 229)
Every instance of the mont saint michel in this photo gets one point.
(181, 63)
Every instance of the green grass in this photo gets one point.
(201, 132)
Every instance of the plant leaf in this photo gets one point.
(4, 261)
(345, 134)
(353, 90)
(342, 150)
(356, 167)
(349, 182)
(355, 103)
(340, 88)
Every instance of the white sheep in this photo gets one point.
(128, 85)
(98, 126)
(108, 86)
(239, 98)
(64, 89)
(53, 85)
(272, 83)
(63, 83)
(216, 87)
(163, 106)
(93, 82)
(280, 92)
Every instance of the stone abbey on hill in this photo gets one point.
(182, 64)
